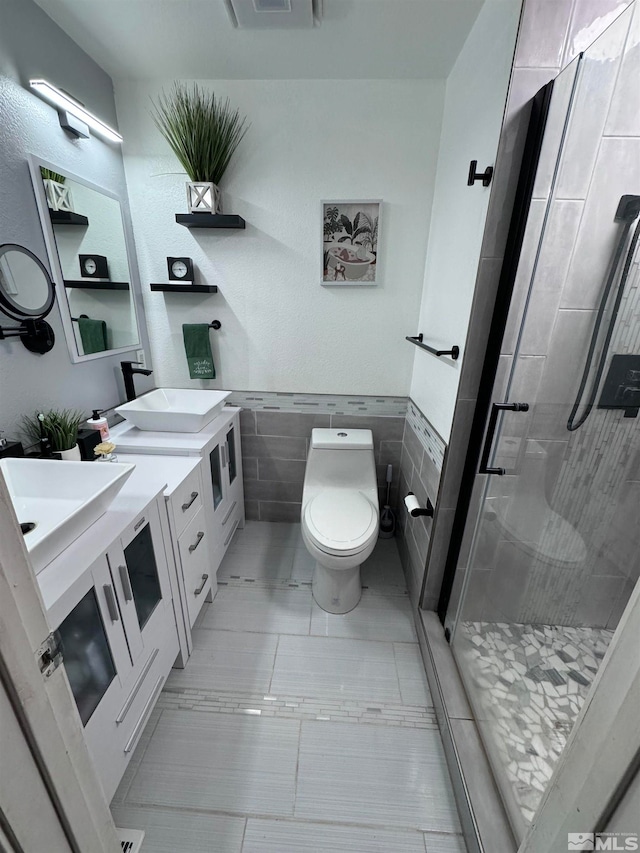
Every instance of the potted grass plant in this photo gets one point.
(203, 132)
(58, 195)
(59, 426)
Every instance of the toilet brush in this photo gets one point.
(387, 517)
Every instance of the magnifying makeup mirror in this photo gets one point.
(27, 294)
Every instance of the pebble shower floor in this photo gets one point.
(531, 681)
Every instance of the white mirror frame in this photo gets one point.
(54, 259)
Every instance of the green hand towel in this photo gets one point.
(93, 334)
(198, 349)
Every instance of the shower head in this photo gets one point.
(628, 208)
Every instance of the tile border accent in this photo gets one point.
(327, 404)
(433, 443)
(298, 708)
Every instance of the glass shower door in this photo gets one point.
(549, 557)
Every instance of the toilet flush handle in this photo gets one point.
(491, 429)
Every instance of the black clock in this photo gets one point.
(93, 266)
(180, 269)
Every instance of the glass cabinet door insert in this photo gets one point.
(87, 656)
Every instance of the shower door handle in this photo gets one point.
(491, 429)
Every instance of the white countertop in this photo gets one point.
(172, 469)
(152, 477)
(129, 439)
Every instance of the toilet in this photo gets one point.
(340, 513)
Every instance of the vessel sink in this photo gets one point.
(174, 409)
(61, 499)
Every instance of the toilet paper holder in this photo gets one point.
(413, 506)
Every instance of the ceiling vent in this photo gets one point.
(275, 14)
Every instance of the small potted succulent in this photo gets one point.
(58, 195)
(203, 132)
(57, 426)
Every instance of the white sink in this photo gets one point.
(174, 409)
(61, 498)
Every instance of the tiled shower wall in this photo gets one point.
(591, 475)
(276, 430)
(592, 478)
(552, 33)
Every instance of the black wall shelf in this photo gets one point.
(87, 284)
(67, 217)
(185, 288)
(210, 220)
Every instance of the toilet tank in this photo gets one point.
(341, 439)
(341, 457)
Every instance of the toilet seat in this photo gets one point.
(340, 522)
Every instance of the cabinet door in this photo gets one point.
(232, 454)
(216, 469)
(141, 579)
(95, 652)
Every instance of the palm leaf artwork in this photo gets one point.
(203, 131)
(59, 426)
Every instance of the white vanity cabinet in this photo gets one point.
(217, 509)
(110, 597)
(190, 539)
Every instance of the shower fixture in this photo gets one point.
(627, 212)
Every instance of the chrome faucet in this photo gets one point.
(128, 371)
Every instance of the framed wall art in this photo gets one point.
(350, 238)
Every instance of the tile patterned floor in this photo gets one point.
(530, 682)
(292, 730)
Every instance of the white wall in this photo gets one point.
(31, 45)
(309, 140)
(474, 103)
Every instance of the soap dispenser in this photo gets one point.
(99, 423)
(10, 448)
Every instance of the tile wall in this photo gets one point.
(551, 35)
(276, 430)
(588, 477)
(423, 453)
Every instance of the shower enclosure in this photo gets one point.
(551, 550)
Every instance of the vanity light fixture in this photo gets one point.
(67, 104)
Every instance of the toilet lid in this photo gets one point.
(341, 521)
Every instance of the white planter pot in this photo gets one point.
(73, 454)
(203, 197)
(58, 196)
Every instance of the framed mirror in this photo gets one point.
(90, 256)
